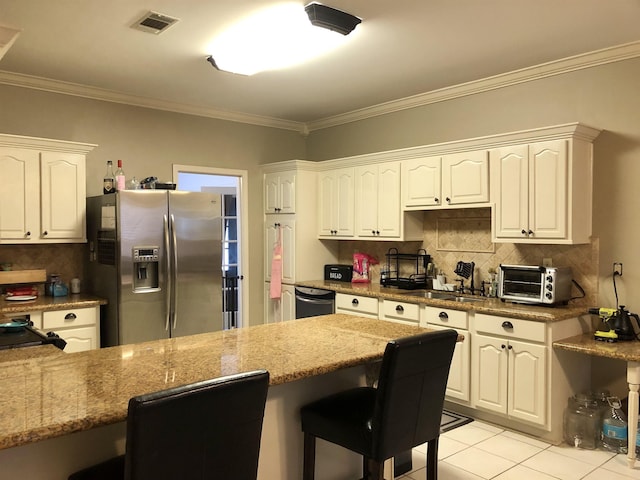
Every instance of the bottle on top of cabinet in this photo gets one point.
(120, 178)
(109, 181)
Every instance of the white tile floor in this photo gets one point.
(479, 451)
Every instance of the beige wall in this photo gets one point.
(149, 142)
(606, 97)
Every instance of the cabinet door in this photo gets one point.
(19, 198)
(327, 191)
(490, 363)
(336, 203)
(510, 171)
(527, 381)
(459, 372)
(287, 192)
(548, 189)
(271, 192)
(288, 303)
(63, 187)
(388, 200)
(421, 182)
(366, 209)
(286, 229)
(279, 309)
(465, 178)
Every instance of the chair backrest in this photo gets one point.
(411, 390)
(209, 429)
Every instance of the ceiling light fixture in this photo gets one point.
(279, 37)
(327, 17)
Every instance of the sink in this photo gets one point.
(468, 299)
(434, 295)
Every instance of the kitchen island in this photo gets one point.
(66, 411)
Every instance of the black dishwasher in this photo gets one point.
(311, 302)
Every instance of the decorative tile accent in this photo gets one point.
(467, 234)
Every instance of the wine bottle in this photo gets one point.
(109, 182)
(120, 180)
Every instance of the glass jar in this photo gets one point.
(581, 422)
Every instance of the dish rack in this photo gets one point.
(405, 270)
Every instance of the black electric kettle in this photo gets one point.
(621, 324)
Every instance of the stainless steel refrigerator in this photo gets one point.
(155, 255)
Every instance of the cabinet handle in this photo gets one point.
(70, 316)
(28, 234)
(45, 233)
(523, 231)
(373, 232)
(530, 233)
(354, 302)
(377, 232)
(503, 346)
(510, 347)
(436, 199)
(399, 308)
(448, 200)
(507, 324)
(443, 316)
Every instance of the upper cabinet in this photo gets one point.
(542, 192)
(336, 202)
(280, 192)
(377, 189)
(43, 199)
(458, 179)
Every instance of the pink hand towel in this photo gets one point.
(275, 289)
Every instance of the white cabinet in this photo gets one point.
(336, 203)
(510, 372)
(357, 305)
(280, 192)
(377, 189)
(281, 225)
(542, 192)
(459, 382)
(448, 180)
(79, 327)
(280, 309)
(44, 190)
(401, 312)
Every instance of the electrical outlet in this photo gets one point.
(547, 262)
(617, 269)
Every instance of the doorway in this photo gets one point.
(235, 244)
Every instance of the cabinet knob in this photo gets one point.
(377, 232)
(448, 200)
(503, 346)
(45, 233)
(530, 233)
(510, 347)
(507, 324)
(436, 199)
(443, 316)
(523, 231)
(70, 316)
(28, 234)
(354, 301)
(399, 308)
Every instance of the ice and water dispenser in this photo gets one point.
(145, 268)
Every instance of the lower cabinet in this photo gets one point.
(79, 327)
(459, 383)
(279, 309)
(357, 305)
(400, 312)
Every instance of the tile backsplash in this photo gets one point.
(64, 259)
(464, 235)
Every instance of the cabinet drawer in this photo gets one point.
(445, 317)
(400, 311)
(510, 327)
(73, 317)
(356, 303)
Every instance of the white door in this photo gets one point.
(490, 367)
(465, 178)
(421, 182)
(510, 170)
(527, 381)
(548, 189)
(366, 190)
(19, 199)
(388, 200)
(327, 191)
(459, 375)
(344, 202)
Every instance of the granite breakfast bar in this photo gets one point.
(64, 411)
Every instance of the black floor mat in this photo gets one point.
(451, 420)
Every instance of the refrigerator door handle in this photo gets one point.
(167, 250)
(175, 271)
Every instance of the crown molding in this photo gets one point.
(528, 74)
(557, 67)
(38, 143)
(77, 90)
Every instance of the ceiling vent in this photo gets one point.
(154, 22)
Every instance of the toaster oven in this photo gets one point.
(534, 284)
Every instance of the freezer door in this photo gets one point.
(196, 230)
(143, 310)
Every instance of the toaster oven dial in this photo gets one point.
(549, 295)
(549, 287)
(549, 278)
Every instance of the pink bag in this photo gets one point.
(275, 288)
(361, 263)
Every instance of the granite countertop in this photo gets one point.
(46, 393)
(628, 351)
(491, 306)
(43, 303)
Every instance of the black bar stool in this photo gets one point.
(404, 411)
(209, 429)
